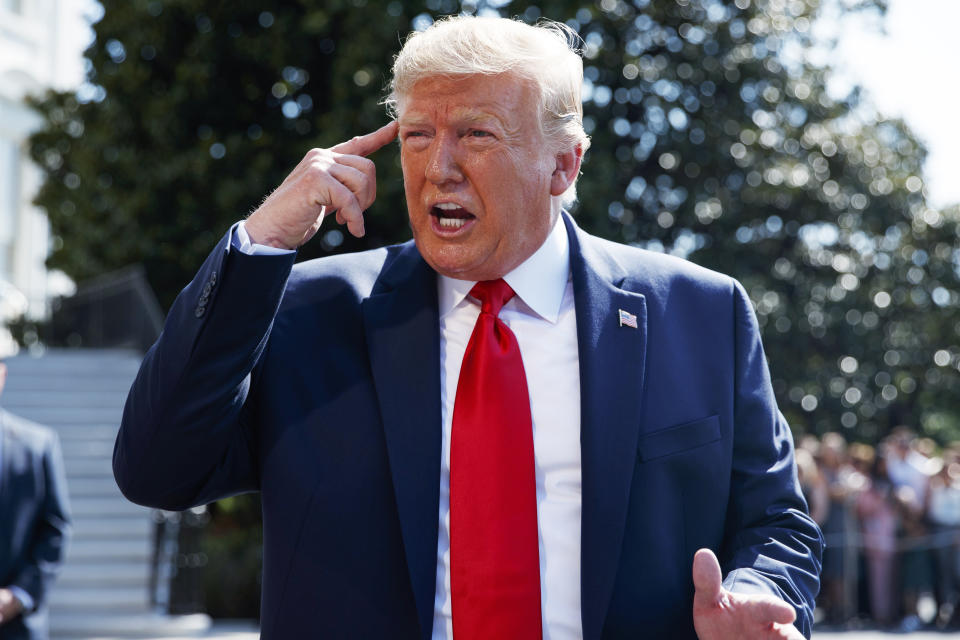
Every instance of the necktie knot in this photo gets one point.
(492, 294)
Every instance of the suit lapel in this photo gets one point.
(612, 362)
(403, 338)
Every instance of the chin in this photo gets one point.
(451, 271)
(455, 269)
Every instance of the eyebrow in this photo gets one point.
(466, 117)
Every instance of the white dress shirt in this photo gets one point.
(543, 318)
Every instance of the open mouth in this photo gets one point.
(450, 216)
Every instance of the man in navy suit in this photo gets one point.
(667, 504)
(34, 523)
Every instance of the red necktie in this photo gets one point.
(494, 553)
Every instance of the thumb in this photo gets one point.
(706, 577)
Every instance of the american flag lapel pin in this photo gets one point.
(627, 319)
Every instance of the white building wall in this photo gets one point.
(40, 48)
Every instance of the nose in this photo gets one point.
(442, 163)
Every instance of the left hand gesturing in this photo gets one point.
(10, 607)
(719, 614)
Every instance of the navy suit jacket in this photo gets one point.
(34, 519)
(319, 385)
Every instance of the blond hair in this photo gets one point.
(546, 55)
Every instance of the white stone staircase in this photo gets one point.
(103, 590)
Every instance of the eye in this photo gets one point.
(416, 139)
(479, 133)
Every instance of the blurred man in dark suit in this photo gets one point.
(34, 523)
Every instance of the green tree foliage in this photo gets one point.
(713, 139)
(232, 546)
(196, 111)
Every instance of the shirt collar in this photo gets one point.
(539, 281)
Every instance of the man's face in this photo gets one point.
(477, 173)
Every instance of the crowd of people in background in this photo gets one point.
(890, 515)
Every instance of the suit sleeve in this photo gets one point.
(48, 543)
(771, 545)
(185, 438)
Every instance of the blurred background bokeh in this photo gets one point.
(734, 133)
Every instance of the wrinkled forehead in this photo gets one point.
(469, 97)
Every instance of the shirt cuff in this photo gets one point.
(23, 597)
(240, 240)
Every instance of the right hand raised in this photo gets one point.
(337, 179)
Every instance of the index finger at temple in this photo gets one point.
(367, 144)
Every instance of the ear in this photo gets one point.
(566, 170)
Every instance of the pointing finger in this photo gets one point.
(768, 609)
(789, 631)
(367, 144)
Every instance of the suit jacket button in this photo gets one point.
(200, 311)
(213, 278)
(207, 288)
